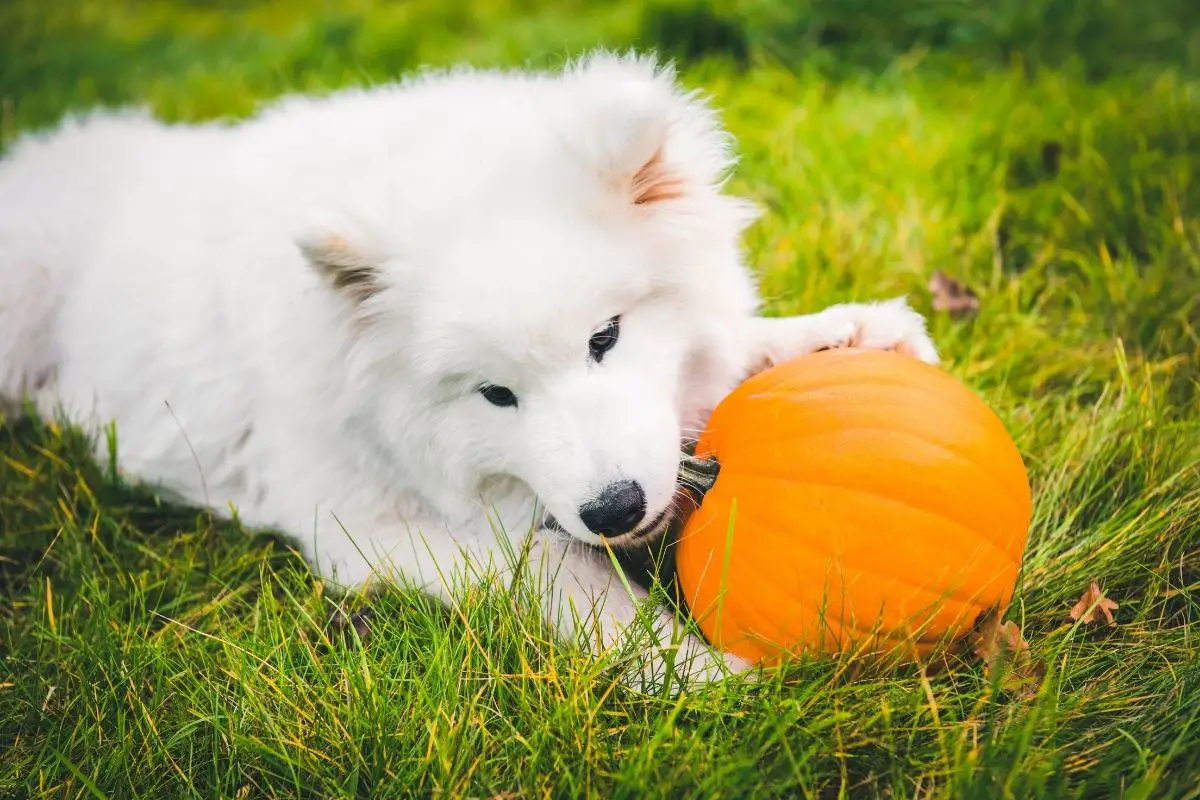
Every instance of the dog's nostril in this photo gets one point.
(618, 509)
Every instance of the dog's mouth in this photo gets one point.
(694, 479)
(649, 530)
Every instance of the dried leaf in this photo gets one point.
(340, 623)
(1023, 682)
(996, 639)
(1092, 602)
(952, 296)
(1001, 645)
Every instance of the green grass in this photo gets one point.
(147, 650)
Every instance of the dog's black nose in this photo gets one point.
(618, 509)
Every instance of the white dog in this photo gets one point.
(416, 327)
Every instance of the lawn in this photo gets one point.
(1045, 153)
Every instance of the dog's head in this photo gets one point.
(564, 305)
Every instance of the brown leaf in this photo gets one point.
(1000, 644)
(996, 639)
(952, 296)
(1024, 681)
(1092, 602)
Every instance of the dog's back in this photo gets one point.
(56, 193)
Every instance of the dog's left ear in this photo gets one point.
(345, 255)
(649, 138)
(628, 134)
(629, 131)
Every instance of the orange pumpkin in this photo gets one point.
(865, 499)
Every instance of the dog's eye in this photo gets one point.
(605, 339)
(498, 395)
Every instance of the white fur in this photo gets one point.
(177, 280)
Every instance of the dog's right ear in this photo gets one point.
(345, 255)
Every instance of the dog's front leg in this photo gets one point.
(888, 325)
(581, 592)
(584, 597)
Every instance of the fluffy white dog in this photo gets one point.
(417, 327)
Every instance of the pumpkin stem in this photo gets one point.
(697, 475)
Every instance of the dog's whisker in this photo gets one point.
(683, 497)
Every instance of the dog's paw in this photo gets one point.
(888, 325)
(684, 667)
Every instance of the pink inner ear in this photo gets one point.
(655, 183)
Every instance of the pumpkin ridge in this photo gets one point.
(808, 379)
(967, 406)
(812, 547)
(799, 393)
(842, 362)
(802, 383)
(742, 611)
(763, 524)
(828, 623)
(751, 633)
(766, 476)
(746, 447)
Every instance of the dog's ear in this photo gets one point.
(648, 138)
(629, 125)
(655, 182)
(345, 255)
